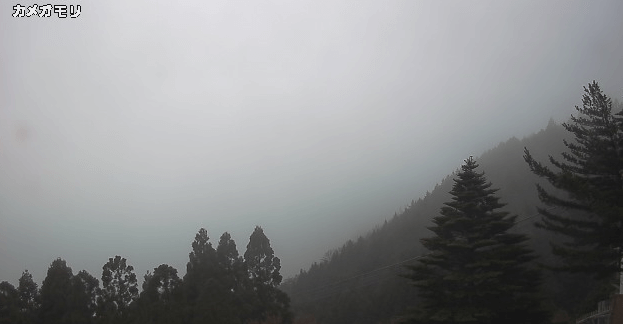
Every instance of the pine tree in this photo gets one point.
(476, 271)
(202, 283)
(233, 278)
(590, 177)
(230, 262)
(264, 277)
(261, 261)
(56, 292)
(28, 297)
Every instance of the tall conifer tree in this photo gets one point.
(264, 277)
(590, 175)
(476, 271)
(56, 292)
(203, 283)
(28, 297)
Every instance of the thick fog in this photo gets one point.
(125, 130)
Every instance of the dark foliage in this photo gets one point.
(9, 303)
(219, 287)
(28, 298)
(161, 300)
(476, 270)
(119, 290)
(56, 292)
(84, 296)
(264, 278)
(590, 175)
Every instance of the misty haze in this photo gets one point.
(297, 161)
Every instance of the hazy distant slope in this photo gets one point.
(360, 283)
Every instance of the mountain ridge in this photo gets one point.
(363, 276)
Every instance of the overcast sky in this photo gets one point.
(125, 130)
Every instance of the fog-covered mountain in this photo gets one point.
(360, 281)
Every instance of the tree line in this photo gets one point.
(219, 286)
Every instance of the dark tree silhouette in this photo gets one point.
(202, 288)
(28, 297)
(233, 278)
(84, 297)
(56, 292)
(119, 290)
(230, 262)
(591, 175)
(9, 304)
(264, 277)
(476, 271)
(160, 300)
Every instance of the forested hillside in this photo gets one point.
(360, 282)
